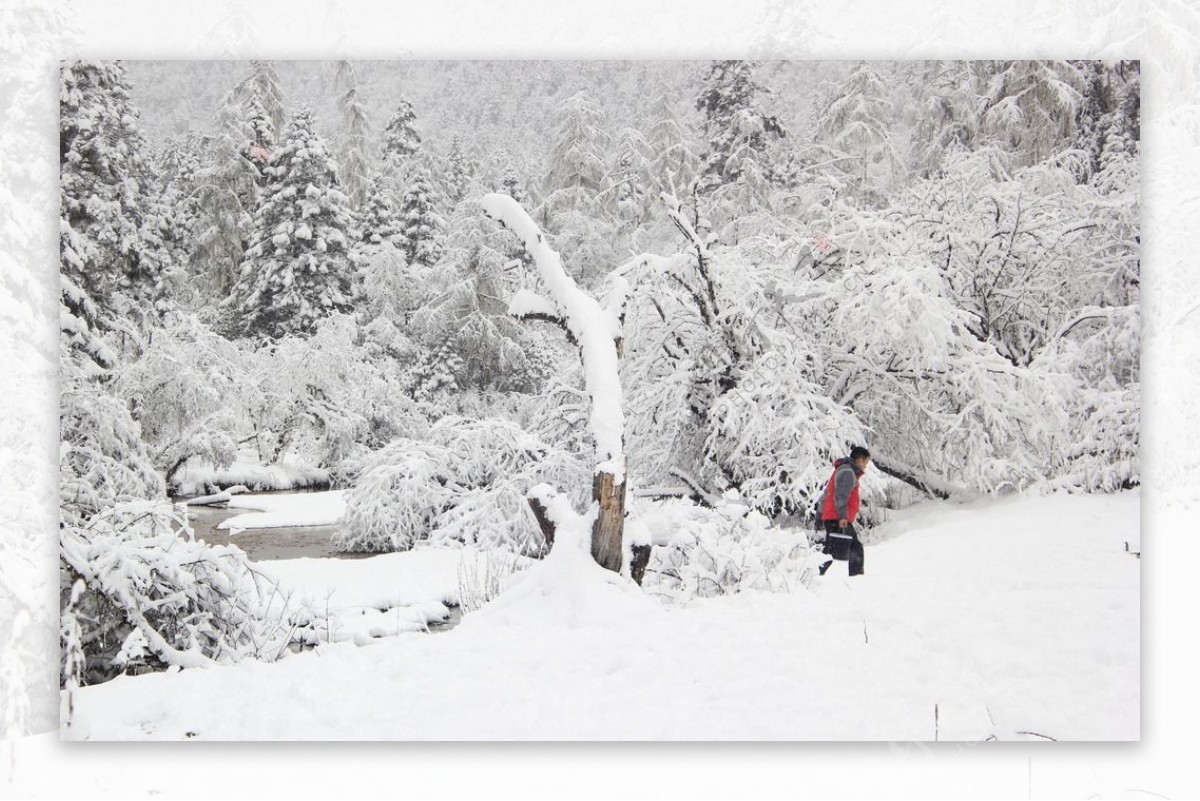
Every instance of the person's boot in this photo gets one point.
(825, 567)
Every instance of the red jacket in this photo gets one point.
(841, 493)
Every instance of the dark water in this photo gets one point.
(293, 542)
(260, 544)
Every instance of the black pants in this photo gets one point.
(844, 545)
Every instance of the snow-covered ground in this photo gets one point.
(1013, 619)
(361, 600)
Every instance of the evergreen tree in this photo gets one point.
(112, 264)
(401, 141)
(738, 133)
(262, 83)
(261, 128)
(1108, 119)
(511, 184)
(947, 114)
(458, 172)
(465, 325)
(422, 226)
(228, 194)
(299, 267)
(352, 139)
(379, 221)
(176, 210)
(673, 163)
(262, 137)
(577, 161)
(111, 274)
(1029, 107)
(855, 124)
(630, 181)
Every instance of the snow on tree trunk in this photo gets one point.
(597, 330)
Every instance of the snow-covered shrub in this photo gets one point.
(1099, 349)
(102, 459)
(1105, 454)
(774, 434)
(321, 397)
(483, 574)
(392, 503)
(465, 483)
(140, 593)
(180, 389)
(701, 552)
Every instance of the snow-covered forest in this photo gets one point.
(511, 308)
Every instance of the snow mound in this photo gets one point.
(568, 589)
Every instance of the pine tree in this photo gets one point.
(510, 184)
(379, 221)
(503, 176)
(1108, 118)
(1029, 107)
(401, 141)
(458, 172)
(228, 194)
(112, 264)
(111, 273)
(630, 176)
(262, 137)
(299, 267)
(947, 114)
(262, 83)
(422, 226)
(673, 163)
(176, 203)
(352, 138)
(577, 161)
(738, 133)
(465, 325)
(855, 123)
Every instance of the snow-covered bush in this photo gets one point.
(701, 552)
(774, 433)
(465, 483)
(321, 397)
(1099, 349)
(482, 575)
(180, 389)
(139, 593)
(102, 459)
(392, 503)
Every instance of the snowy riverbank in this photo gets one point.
(197, 478)
(1014, 619)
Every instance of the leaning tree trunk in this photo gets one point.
(596, 329)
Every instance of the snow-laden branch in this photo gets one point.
(596, 328)
(526, 305)
(530, 304)
(709, 310)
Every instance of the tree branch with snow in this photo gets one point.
(596, 329)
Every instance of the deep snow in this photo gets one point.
(1013, 619)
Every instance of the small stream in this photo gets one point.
(263, 544)
(291, 542)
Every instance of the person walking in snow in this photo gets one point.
(839, 510)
